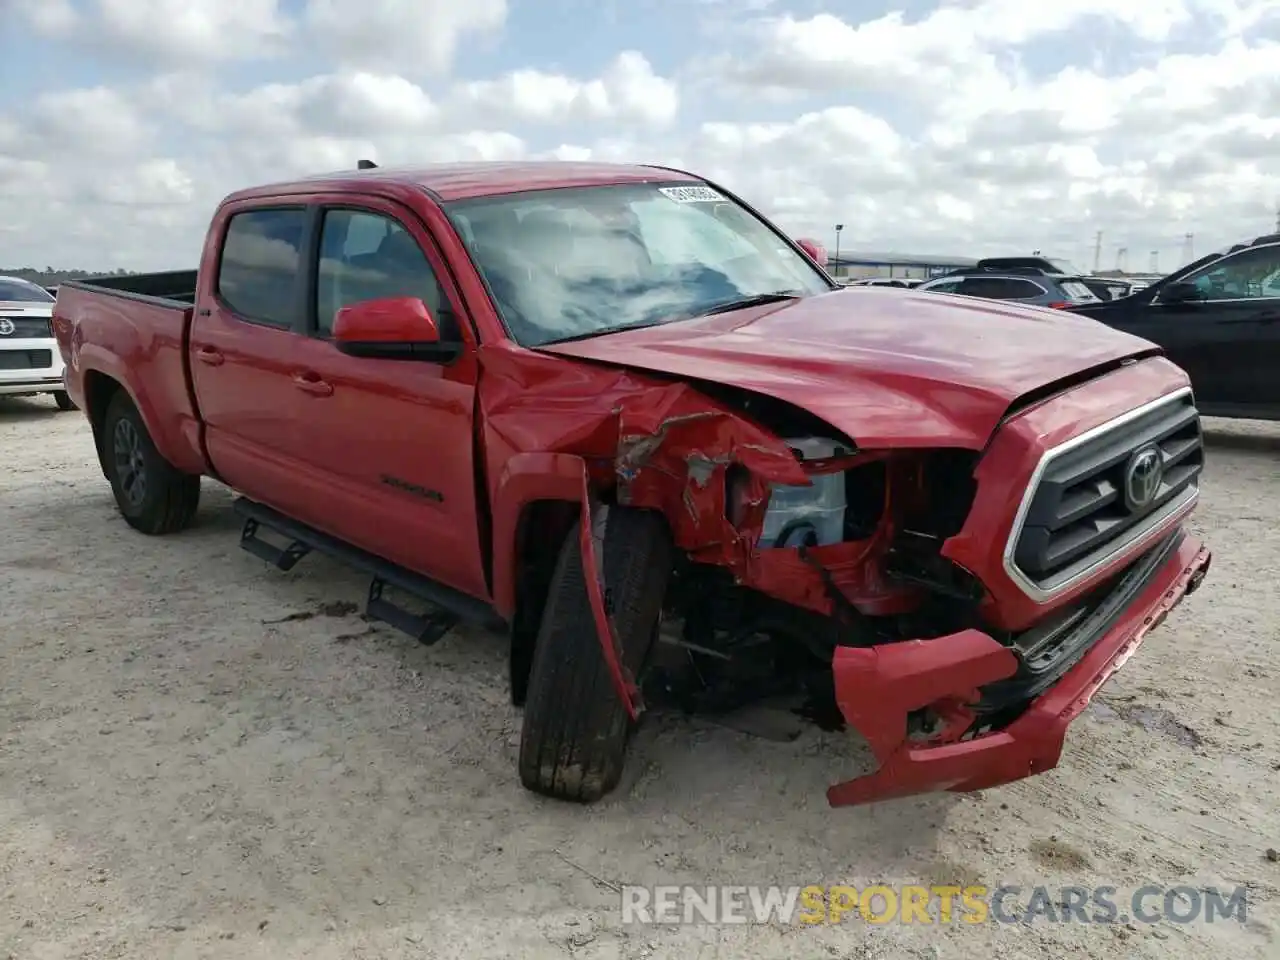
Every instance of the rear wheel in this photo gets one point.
(63, 400)
(576, 729)
(153, 496)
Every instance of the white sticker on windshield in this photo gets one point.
(691, 194)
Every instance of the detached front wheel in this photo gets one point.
(153, 495)
(574, 740)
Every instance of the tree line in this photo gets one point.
(49, 277)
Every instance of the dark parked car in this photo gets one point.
(1104, 288)
(1219, 319)
(1029, 285)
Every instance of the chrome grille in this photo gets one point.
(1108, 488)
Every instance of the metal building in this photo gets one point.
(856, 265)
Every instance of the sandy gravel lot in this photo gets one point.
(202, 757)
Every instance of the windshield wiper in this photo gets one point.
(739, 304)
(602, 331)
(758, 300)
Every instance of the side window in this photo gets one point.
(1000, 288)
(1248, 275)
(366, 256)
(258, 269)
(943, 286)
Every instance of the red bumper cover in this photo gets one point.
(876, 688)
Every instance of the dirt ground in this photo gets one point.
(203, 757)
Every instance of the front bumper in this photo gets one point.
(30, 379)
(878, 687)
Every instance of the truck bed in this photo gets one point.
(175, 286)
(135, 331)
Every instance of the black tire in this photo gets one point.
(153, 496)
(575, 733)
(63, 400)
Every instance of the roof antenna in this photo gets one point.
(366, 165)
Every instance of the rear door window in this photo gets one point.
(943, 286)
(1000, 288)
(260, 265)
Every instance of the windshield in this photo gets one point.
(1064, 266)
(573, 263)
(20, 291)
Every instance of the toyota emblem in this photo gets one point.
(1142, 477)
(7, 326)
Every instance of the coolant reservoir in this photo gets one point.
(807, 516)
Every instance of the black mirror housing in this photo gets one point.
(1181, 293)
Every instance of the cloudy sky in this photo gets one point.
(960, 126)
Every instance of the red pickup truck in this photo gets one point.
(615, 412)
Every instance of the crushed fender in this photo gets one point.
(669, 447)
(591, 538)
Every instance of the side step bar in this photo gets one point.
(449, 606)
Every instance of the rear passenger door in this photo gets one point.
(387, 445)
(245, 331)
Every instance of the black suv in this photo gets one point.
(1219, 319)
(1035, 286)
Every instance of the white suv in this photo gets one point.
(29, 359)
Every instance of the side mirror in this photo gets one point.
(1180, 293)
(392, 328)
(814, 249)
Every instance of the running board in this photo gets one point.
(282, 558)
(448, 606)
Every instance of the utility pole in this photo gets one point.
(1097, 252)
(1188, 247)
(1278, 216)
(836, 265)
(1155, 261)
(1122, 257)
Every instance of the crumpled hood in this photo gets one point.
(887, 367)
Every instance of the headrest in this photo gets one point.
(400, 247)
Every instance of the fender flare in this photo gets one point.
(93, 361)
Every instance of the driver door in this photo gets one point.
(389, 443)
(1227, 339)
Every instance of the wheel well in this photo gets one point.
(539, 536)
(98, 391)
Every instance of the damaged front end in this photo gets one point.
(815, 573)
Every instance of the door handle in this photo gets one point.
(312, 384)
(210, 356)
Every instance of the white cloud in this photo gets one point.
(628, 90)
(412, 35)
(50, 17)
(165, 31)
(938, 133)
